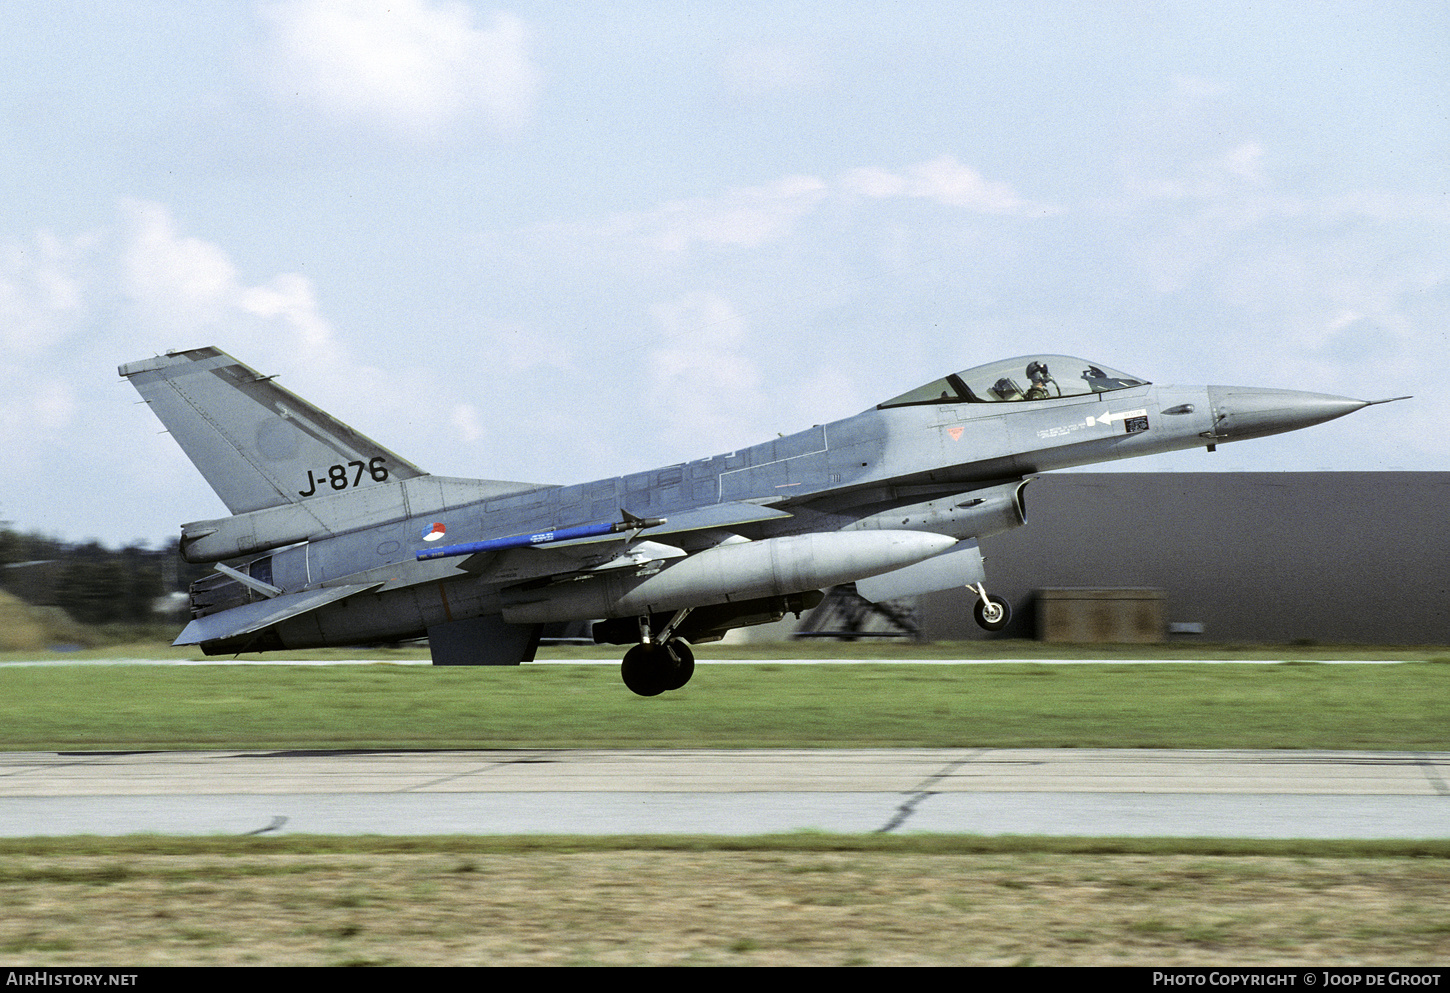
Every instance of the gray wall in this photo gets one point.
(1336, 557)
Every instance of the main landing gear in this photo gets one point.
(992, 612)
(649, 670)
(660, 661)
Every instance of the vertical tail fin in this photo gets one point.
(257, 444)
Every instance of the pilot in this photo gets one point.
(1040, 377)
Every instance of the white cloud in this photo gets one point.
(1245, 162)
(743, 217)
(182, 286)
(180, 291)
(465, 421)
(46, 406)
(178, 281)
(289, 298)
(413, 66)
(752, 216)
(155, 287)
(705, 376)
(942, 180)
(75, 307)
(41, 292)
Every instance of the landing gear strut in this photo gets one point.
(992, 612)
(660, 661)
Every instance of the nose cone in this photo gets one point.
(1246, 412)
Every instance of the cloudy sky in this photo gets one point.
(559, 241)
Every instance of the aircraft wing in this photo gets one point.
(253, 617)
(722, 516)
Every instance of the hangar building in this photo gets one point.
(1328, 557)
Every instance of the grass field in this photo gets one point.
(801, 900)
(795, 900)
(742, 705)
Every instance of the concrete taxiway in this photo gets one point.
(1095, 792)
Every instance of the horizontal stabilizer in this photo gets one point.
(253, 617)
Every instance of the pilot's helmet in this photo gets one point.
(1037, 372)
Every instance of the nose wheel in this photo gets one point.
(992, 612)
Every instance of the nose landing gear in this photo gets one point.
(992, 612)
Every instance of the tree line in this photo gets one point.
(92, 583)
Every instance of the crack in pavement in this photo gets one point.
(916, 796)
(1432, 773)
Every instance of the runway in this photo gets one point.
(1089, 792)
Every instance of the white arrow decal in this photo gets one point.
(1110, 418)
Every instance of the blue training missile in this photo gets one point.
(595, 530)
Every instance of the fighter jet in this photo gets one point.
(335, 540)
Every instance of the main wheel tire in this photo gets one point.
(643, 672)
(995, 615)
(684, 664)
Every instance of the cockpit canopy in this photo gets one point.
(1029, 377)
